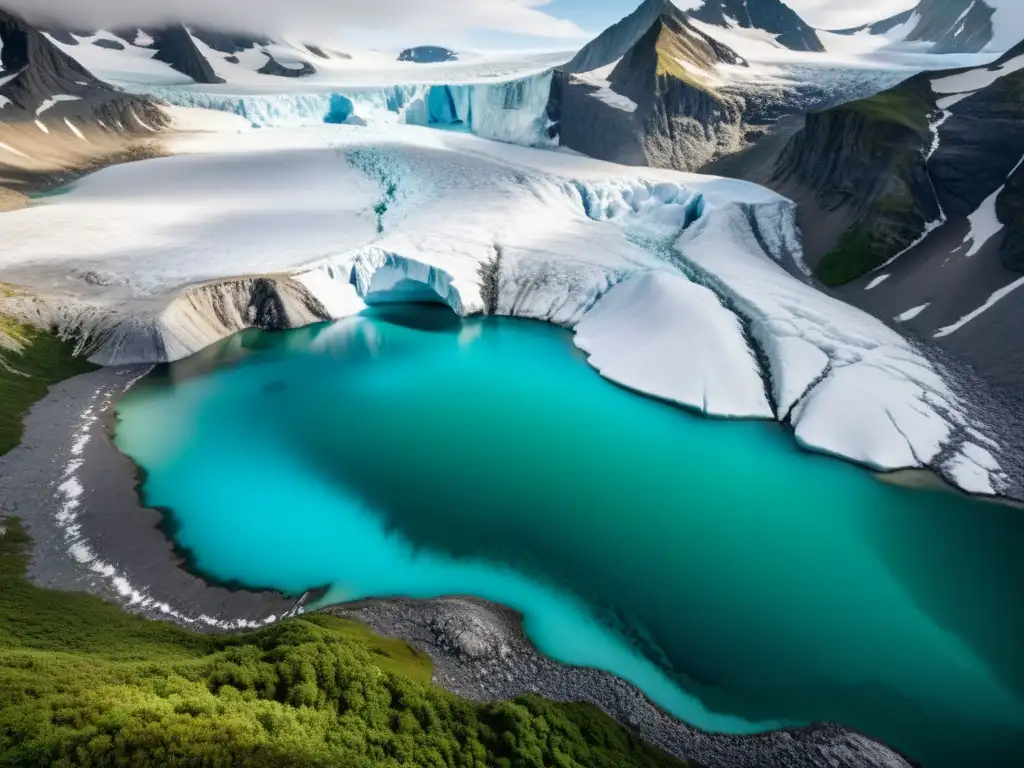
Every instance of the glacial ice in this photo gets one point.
(513, 111)
(661, 334)
(669, 278)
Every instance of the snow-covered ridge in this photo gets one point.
(678, 285)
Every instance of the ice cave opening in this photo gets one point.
(406, 282)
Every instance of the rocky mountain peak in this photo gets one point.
(653, 21)
(40, 69)
(176, 47)
(772, 16)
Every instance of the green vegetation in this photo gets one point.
(35, 360)
(903, 105)
(855, 255)
(82, 683)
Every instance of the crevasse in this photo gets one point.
(513, 111)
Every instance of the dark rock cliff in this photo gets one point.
(773, 16)
(174, 46)
(656, 89)
(228, 42)
(274, 67)
(41, 72)
(879, 27)
(864, 162)
(911, 204)
(656, 107)
(612, 44)
(1010, 209)
(954, 26)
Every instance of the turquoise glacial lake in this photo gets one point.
(740, 582)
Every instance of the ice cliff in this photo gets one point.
(513, 111)
(684, 287)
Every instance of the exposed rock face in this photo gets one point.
(479, 652)
(228, 42)
(44, 71)
(1010, 209)
(913, 201)
(274, 67)
(48, 84)
(656, 105)
(427, 54)
(175, 47)
(879, 27)
(772, 16)
(618, 39)
(658, 89)
(954, 26)
(196, 318)
(864, 164)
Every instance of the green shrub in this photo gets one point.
(25, 374)
(84, 684)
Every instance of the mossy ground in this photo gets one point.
(902, 105)
(83, 683)
(27, 369)
(852, 257)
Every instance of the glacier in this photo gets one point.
(511, 111)
(688, 288)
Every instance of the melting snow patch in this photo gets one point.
(985, 223)
(42, 127)
(876, 282)
(12, 150)
(54, 101)
(994, 299)
(74, 129)
(139, 121)
(613, 99)
(966, 83)
(910, 314)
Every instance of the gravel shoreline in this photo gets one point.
(480, 652)
(76, 496)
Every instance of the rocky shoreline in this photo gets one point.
(76, 496)
(480, 652)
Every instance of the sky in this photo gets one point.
(400, 23)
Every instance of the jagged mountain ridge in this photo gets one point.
(613, 43)
(176, 47)
(196, 51)
(952, 26)
(648, 96)
(39, 78)
(695, 105)
(772, 16)
(913, 202)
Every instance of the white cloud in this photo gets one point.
(319, 20)
(840, 14)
